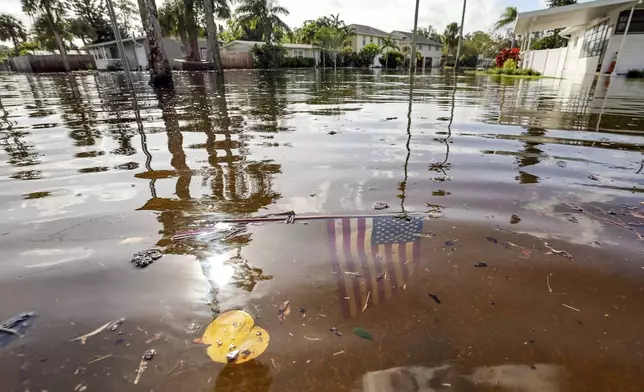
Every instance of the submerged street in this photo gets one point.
(504, 252)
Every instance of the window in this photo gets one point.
(379, 41)
(575, 42)
(364, 41)
(637, 22)
(595, 40)
(204, 53)
(299, 53)
(371, 39)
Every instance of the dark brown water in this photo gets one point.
(500, 171)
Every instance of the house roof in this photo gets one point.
(566, 16)
(113, 42)
(420, 39)
(367, 30)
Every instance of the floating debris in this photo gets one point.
(284, 310)
(380, 205)
(363, 333)
(492, 240)
(435, 298)
(234, 338)
(144, 258)
(338, 353)
(381, 277)
(116, 324)
(353, 274)
(335, 331)
(449, 243)
(303, 311)
(526, 253)
(480, 265)
(570, 307)
(508, 244)
(15, 326)
(391, 118)
(332, 132)
(147, 356)
(426, 235)
(83, 338)
(558, 252)
(314, 339)
(514, 219)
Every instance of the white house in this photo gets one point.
(292, 50)
(603, 36)
(430, 50)
(106, 54)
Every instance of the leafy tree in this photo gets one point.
(559, 3)
(334, 37)
(368, 52)
(128, 17)
(388, 44)
(392, 59)
(450, 37)
(172, 20)
(90, 24)
(43, 34)
(430, 33)
(53, 13)
(480, 44)
(265, 14)
(11, 29)
(508, 17)
(268, 56)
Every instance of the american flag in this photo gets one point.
(372, 255)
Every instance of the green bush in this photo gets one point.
(297, 62)
(268, 56)
(510, 64)
(635, 73)
(393, 59)
(513, 71)
(368, 53)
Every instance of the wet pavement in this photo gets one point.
(510, 257)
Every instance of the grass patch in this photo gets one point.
(505, 75)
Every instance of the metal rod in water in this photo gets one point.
(119, 43)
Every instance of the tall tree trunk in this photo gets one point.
(59, 41)
(192, 50)
(16, 46)
(160, 72)
(213, 44)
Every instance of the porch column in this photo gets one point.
(621, 46)
(529, 42)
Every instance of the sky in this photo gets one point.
(385, 15)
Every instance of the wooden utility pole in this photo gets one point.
(412, 61)
(460, 36)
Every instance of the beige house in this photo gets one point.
(292, 50)
(428, 49)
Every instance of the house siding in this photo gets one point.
(632, 56)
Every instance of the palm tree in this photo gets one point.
(266, 15)
(172, 21)
(12, 29)
(388, 44)
(508, 17)
(160, 72)
(54, 11)
(333, 38)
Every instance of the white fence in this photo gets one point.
(550, 62)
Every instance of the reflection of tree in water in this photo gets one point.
(20, 152)
(268, 103)
(531, 155)
(236, 185)
(252, 376)
(117, 106)
(77, 112)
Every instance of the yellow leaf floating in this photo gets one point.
(234, 338)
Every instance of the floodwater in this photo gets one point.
(509, 259)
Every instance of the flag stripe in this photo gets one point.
(363, 257)
(330, 224)
(378, 290)
(343, 249)
(402, 258)
(351, 265)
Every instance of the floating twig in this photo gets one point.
(175, 367)
(548, 283)
(314, 339)
(100, 358)
(570, 307)
(100, 329)
(558, 252)
(366, 302)
(338, 353)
